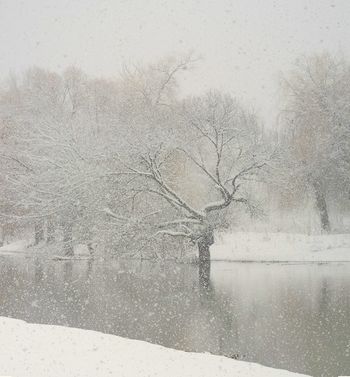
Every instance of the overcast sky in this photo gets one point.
(245, 44)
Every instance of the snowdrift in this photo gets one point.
(32, 350)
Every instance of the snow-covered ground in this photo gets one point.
(15, 247)
(281, 247)
(31, 350)
(25, 247)
(241, 246)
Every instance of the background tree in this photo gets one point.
(315, 136)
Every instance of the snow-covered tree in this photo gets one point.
(222, 149)
(126, 159)
(64, 131)
(53, 139)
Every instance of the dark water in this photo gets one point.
(295, 317)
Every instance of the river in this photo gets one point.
(290, 316)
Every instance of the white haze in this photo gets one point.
(245, 44)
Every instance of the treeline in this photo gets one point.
(126, 163)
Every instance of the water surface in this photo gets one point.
(295, 317)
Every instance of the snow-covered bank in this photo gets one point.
(25, 247)
(31, 350)
(281, 247)
(15, 247)
(238, 246)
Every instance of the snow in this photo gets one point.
(33, 350)
(25, 247)
(244, 247)
(281, 247)
(15, 247)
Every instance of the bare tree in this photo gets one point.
(224, 150)
(316, 129)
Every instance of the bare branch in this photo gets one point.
(174, 233)
(180, 222)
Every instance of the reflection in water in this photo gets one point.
(294, 317)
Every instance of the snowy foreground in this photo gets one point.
(281, 247)
(31, 350)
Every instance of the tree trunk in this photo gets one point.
(90, 243)
(90, 248)
(50, 231)
(322, 209)
(2, 236)
(68, 239)
(38, 232)
(204, 243)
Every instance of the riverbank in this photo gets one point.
(33, 350)
(281, 247)
(238, 247)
